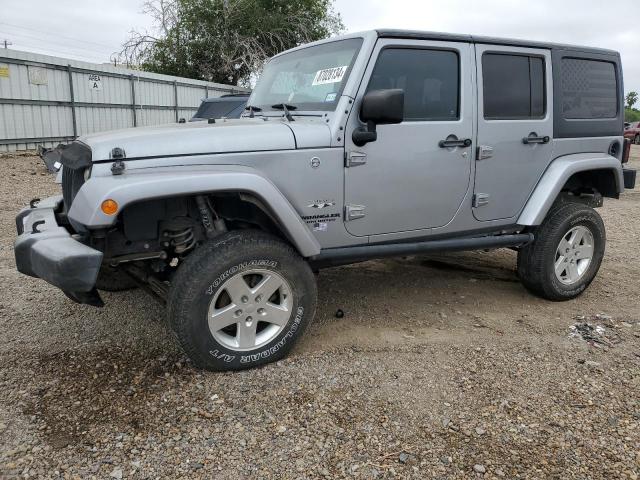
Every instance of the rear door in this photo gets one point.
(515, 127)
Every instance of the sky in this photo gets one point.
(92, 30)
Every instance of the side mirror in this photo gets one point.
(182, 120)
(379, 107)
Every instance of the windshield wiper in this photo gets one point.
(286, 107)
(252, 109)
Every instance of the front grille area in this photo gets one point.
(72, 180)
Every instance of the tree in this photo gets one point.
(225, 41)
(631, 99)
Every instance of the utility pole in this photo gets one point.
(7, 43)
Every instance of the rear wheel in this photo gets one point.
(241, 301)
(566, 254)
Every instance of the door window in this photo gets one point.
(430, 80)
(513, 87)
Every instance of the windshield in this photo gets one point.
(309, 79)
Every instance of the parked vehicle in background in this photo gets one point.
(632, 132)
(226, 106)
(376, 144)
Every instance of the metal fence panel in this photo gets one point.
(46, 100)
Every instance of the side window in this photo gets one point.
(589, 89)
(430, 80)
(513, 86)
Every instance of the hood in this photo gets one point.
(224, 136)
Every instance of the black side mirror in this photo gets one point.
(379, 107)
(182, 120)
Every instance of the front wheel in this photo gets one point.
(637, 140)
(241, 300)
(566, 254)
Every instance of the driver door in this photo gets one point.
(407, 179)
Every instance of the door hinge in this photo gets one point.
(353, 212)
(354, 159)
(480, 199)
(484, 151)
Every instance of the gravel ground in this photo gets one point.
(442, 367)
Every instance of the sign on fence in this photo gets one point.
(95, 83)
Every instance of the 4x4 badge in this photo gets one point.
(322, 204)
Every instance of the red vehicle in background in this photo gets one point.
(632, 132)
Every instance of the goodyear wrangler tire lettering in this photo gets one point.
(203, 291)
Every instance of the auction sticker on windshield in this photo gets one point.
(329, 75)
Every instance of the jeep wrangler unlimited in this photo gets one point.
(370, 145)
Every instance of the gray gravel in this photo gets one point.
(441, 367)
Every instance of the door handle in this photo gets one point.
(534, 138)
(465, 142)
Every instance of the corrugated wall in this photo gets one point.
(47, 100)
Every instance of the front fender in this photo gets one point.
(556, 176)
(175, 181)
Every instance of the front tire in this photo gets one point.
(241, 301)
(566, 254)
(637, 140)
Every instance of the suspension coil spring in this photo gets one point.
(181, 240)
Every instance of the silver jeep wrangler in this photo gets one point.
(370, 145)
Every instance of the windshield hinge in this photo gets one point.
(354, 159)
(353, 212)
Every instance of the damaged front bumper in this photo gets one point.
(46, 250)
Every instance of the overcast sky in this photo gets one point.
(92, 29)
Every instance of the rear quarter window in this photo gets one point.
(589, 89)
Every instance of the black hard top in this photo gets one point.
(455, 37)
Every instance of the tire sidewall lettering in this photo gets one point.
(281, 343)
(239, 268)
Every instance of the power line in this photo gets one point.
(7, 43)
(56, 35)
(64, 45)
(57, 53)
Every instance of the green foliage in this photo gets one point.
(631, 99)
(631, 115)
(226, 41)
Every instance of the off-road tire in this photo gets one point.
(203, 275)
(536, 260)
(114, 280)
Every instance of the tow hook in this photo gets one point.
(33, 203)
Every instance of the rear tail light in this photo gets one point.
(626, 150)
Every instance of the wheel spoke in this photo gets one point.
(237, 288)
(223, 317)
(266, 287)
(246, 335)
(564, 246)
(560, 266)
(574, 238)
(277, 314)
(584, 252)
(572, 271)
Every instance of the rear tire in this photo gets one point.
(566, 254)
(241, 300)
